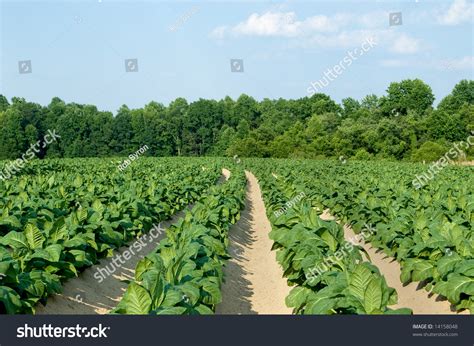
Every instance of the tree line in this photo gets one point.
(402, 125)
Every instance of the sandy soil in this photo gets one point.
(225, 175)
(466, 163)
(86, 295)
(253, 278)
(413, 295)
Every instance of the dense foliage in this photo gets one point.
(185, 273)
(61, 216)
(397, 125)
(346, 284)
(429, 231)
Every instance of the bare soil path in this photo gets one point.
(254, 282)
(413, 295)
(92, 293)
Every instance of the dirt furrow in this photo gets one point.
(254, 282)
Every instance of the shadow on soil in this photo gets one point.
(236, 290)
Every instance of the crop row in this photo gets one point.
(329, 274)
(57, 223)
(429, 231)
(184, 274)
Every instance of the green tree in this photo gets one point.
(462, 94)
(122, 133)
(350, 107)
(247, 108)
(410, 95)
(3, 103)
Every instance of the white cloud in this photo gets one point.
(340, 30)
(464, 63)
(405, 44)
(219, 32)
(343, 39)
(390, 39)
(321, 23)
(282, 24)
(269, 24)
(395, 63)
(459, 12)
(372, 19)
(286, 24)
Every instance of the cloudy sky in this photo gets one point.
(77, 49)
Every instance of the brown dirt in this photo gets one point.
(466, 163)
(413, 295)
(254, 283)
(86, 295)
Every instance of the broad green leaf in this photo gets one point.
(137, 299)
(373, 296)
(34, 236)
(359, 280)
(16, 240)
(10, 300)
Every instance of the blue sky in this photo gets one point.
(77, 48)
